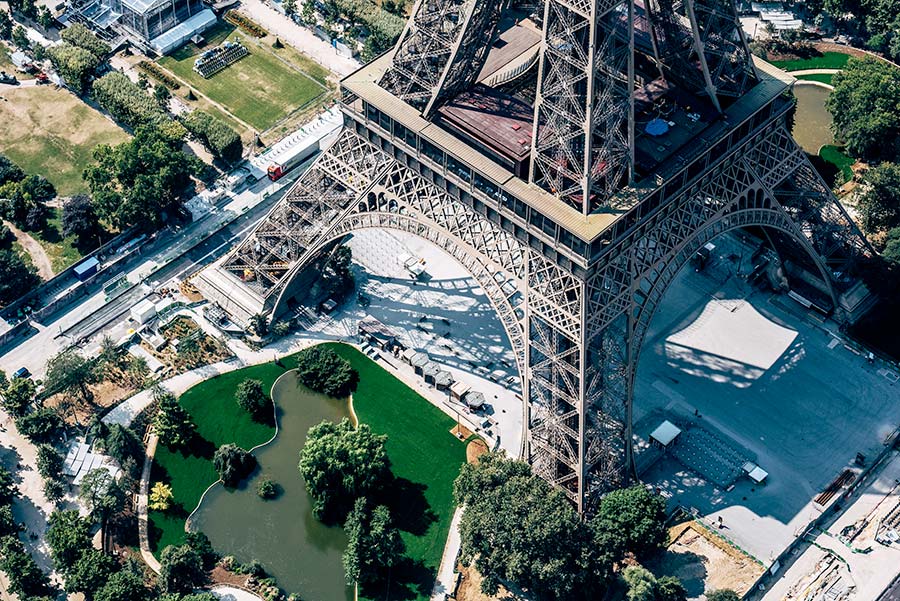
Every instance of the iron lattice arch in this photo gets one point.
(576, 336)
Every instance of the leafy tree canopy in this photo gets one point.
(181, 570)
(125, 585)
(322, 370)
(68, 535)
(341, 463)
(637, 516)
(865, 105)
(252, 399)
(233, 464)
(878, 203)
(173, 424)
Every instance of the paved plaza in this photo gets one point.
(750, 376)
(444, 313)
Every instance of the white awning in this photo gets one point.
(665, 433)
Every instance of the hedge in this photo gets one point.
(215, 134)
(126, 101)
(249, 26)
(79, 35)
(159, 74)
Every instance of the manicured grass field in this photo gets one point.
(422, 450)
(836, 156)
(261, 88)
(825, 78)
(828, 60)
(52, 132)
(219, 421)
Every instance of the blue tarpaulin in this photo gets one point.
(657, 127)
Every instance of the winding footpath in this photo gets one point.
(35, 250)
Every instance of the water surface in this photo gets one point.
(812, 124)
(301, 553)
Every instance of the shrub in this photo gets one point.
(215, 134)
(252, 399)
(159, 74)
(267, 489)
(247, 25)
(322, 370)
(233, 464)
(160, 497)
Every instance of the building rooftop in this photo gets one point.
(501, 122)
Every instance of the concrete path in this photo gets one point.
(444, 584)
(35, 250)
(143, 496)
(299, 37)
(232, 593)
(814, 72)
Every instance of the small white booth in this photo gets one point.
(665, 434)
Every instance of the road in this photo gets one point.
(88, 315)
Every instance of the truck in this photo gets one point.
(282, 162)
(8, 79)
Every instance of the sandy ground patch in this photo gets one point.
(704, 562)
(475, 449)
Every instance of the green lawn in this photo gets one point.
(422, 450)
(836, 156)
(62, 252)
(828, 60)
(425, 458)
(261, 88)
(825, 78)
(219, 420)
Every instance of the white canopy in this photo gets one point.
(665, 433)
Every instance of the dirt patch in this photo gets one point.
(460, 432)
(106, 394)
(220, 575)
(475, 449)
(705, 562)
(32, 247)
(469, 588)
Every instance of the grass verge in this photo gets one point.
(825, 78)
(836, 156)
(828, 60)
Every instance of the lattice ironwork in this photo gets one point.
(575, 326)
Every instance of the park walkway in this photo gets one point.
(35, 251)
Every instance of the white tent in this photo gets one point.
(665, 433)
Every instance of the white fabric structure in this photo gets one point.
(182, 32)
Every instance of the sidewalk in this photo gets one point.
(299, 37)
(444, 584)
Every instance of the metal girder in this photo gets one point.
(441, 51)
(583, 148)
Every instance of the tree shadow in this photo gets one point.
(197, 447)
(410, 510)
(410, 579)
(828, 171)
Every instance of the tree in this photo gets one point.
(6, 25)
(126, 585)
(374, 545)
(162, 95)
(122, 444)
(638, 516)
(41, 425)
(259, 325)
(160, 497)
(20, 38)
(26, 579)
(215, 134)
(18, 396)
(8, 487)
(723, 594)
(49, 461)
(90, 572)
(16, 277)
(341, 463)
(72, 374)
(68, 535)
(490, 471)
(76, 65)
(45, 18)
(322, 370)
(670, 588)
(102, 495)
(199, 542)
(8, 523)
(138, 181)
(290, 7)
(891, 251)
(233, 464)
(524, 531)
(879, 202)
(641, 584)
(79, 35)
(865, 104)
(173, 424)
(267, 488)
(80, 220)
(181, 570)
(9, 171)
(252, 399)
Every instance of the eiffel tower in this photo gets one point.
(573, 156)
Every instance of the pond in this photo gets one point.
(812, 125)
(301, 553)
